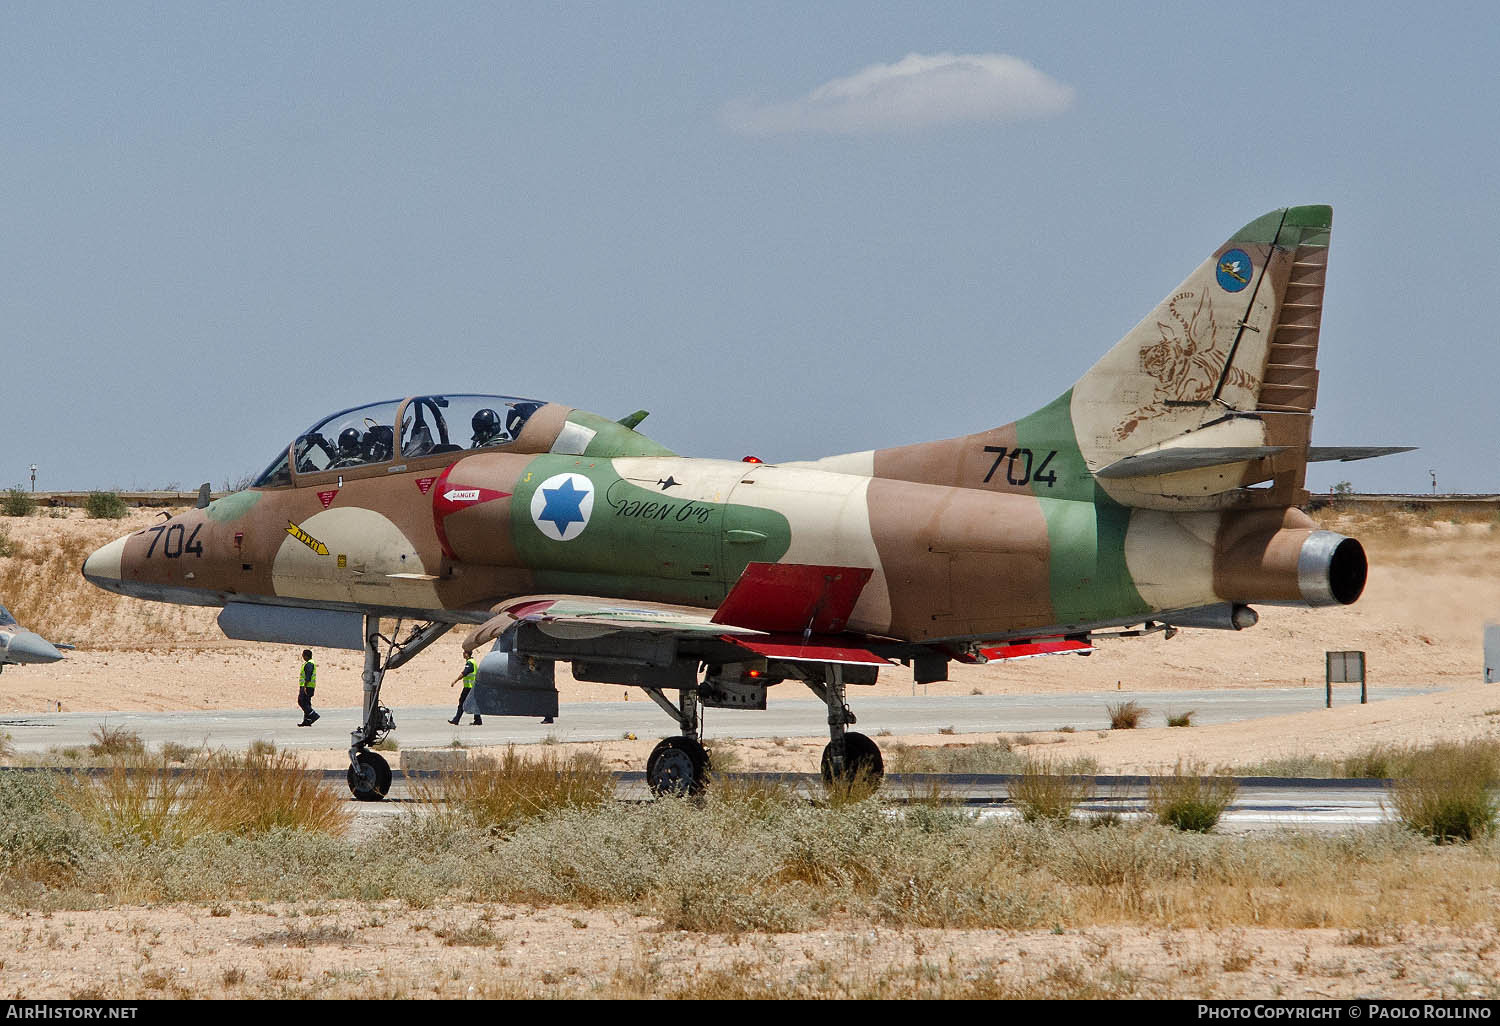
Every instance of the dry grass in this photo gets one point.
(116, 742)
(142, 800)
(1448, 793)
(499, 793)
(1125, 715)
(1042, 793)
(1189, 800)
(41, 585)
(1181, 719)
(269, 790)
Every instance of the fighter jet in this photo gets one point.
(18, 645)
(1159, 492)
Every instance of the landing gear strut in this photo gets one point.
(678, 765)
(369, 774)
(849, 755)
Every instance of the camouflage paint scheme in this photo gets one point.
(1038, 528)
(20, 646)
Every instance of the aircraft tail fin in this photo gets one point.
(1208, 397)
(1223, 368)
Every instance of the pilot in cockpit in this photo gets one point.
(519, 414)
(351, 448)
(487, 429)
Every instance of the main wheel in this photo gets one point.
(371, 781)
(678, 765)
(861, 760)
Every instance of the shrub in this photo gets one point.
(1181, 719)
(1042, 793)
(116, 742)
(1188, 800)
(133, 801)
(105, 506)
(17, 503)
(267, 790)
(40, 837)
(173, 751)
(1380, 762)
(500, 793)
(152, 802)
(7, 546)
(1125, 716)
(1448, 793)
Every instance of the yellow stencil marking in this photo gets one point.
(306, 539)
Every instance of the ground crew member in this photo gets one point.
(470, 671)
(306, 682)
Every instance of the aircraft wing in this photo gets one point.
(787, 612)
(585, 616)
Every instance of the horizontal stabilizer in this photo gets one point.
(1181, 458)
(1350, 453)
(1172, 461)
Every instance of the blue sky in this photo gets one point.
(221, 222)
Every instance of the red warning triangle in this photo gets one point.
(327, 497)
(424, 484)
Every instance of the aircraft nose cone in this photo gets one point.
(103, 567)
(26, 647)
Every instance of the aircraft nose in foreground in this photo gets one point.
(102, 568)
(27, 647)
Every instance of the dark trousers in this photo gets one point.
(304, 699)
(463, 696)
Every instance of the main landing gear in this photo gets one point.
(849, 756)
(369, 774)
(678, 765)
(681, 765)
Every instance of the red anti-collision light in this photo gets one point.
(752, 459)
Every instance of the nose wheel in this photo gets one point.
(369, 777)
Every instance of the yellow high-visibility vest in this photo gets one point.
(470, 672)
(312, 678)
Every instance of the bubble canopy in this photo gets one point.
(424, 425)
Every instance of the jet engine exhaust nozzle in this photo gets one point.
(1331, 569)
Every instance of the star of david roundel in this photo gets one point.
(561, 506)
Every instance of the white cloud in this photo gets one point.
(915, 92)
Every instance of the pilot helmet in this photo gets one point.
(349, 442)
(486, 425)
(519, 414)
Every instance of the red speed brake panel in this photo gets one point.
(815, 650)
(1028, 649)
(789, 597)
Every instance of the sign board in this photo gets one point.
(1346, 667)
(1492, 653)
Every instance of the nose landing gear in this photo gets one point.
(369, 774)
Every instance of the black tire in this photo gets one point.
(373, 781)
(677, 766)
(861, 759)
